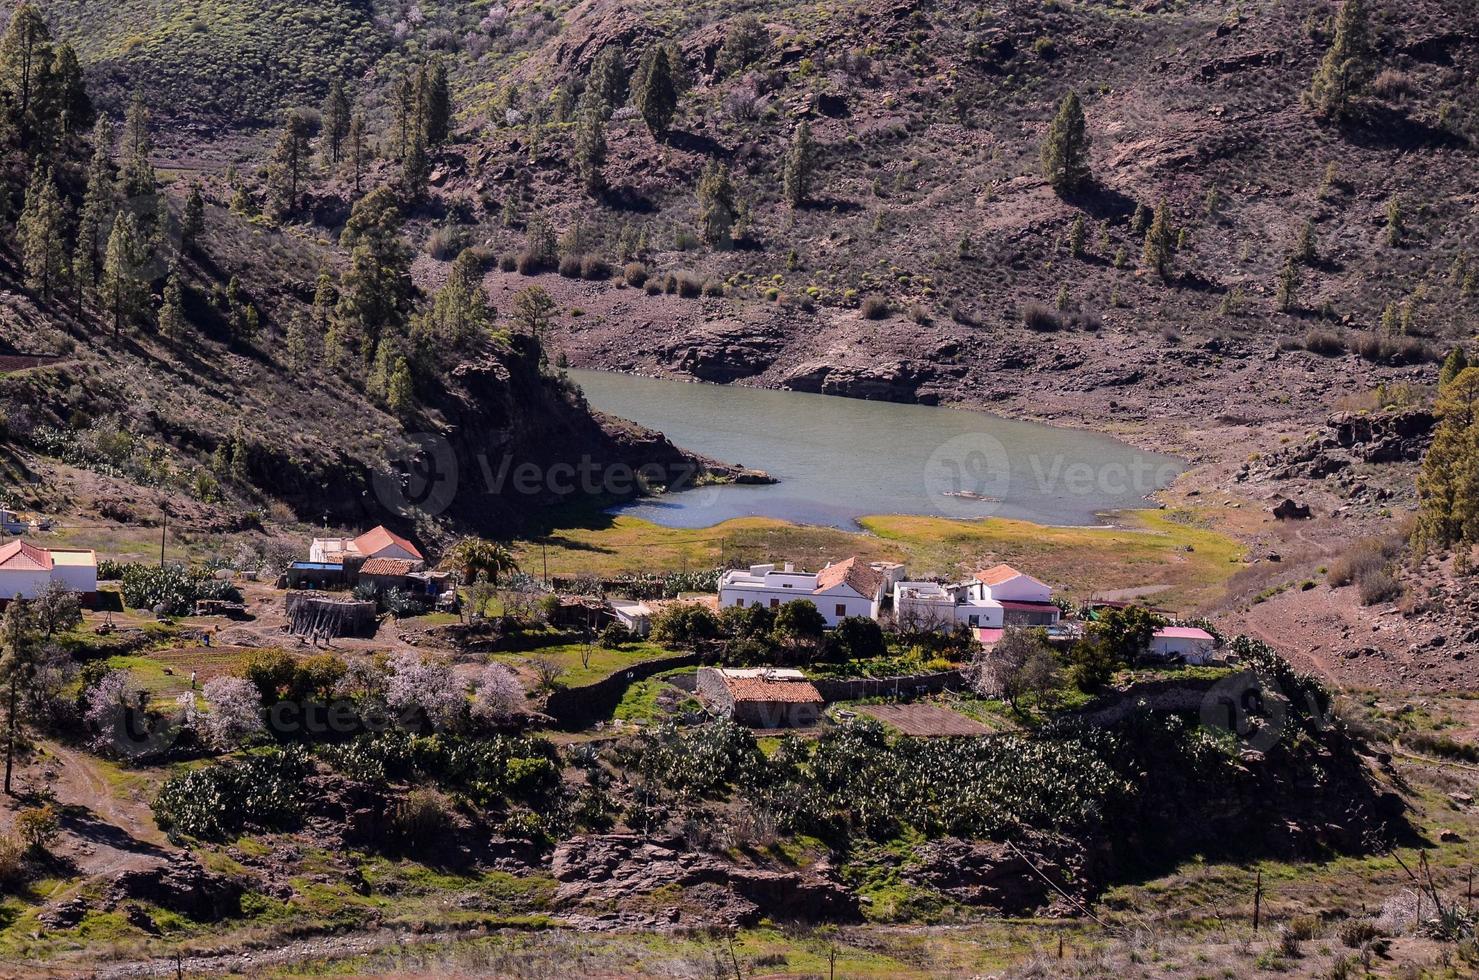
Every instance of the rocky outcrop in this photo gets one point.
(1029, 877)
(725, 351)
(182, 886)
(887, 381)
(598, 871)
(1351, 438)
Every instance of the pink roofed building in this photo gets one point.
(1186, 643)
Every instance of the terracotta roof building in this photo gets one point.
(26, 570)
(762, 697)
(847, 588)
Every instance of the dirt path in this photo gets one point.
(105, 831)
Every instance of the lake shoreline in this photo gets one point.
(838, 459)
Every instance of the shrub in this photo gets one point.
(1379, 586)
(653, 287)
(529, 264)
(570, 266)
(1364, 558)
(12, 860)
(688, 285)
(508, 262)
(615, 636)
(1038, 317)
(594, 267)
(421, 821)
(635, 273)
(1324, 343)
(37, 826)
(874, 307)
(1396, 351)
(444, 243)
(713, 288)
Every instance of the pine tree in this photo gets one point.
(357, 149)
(300, 343)
(607, 81)
(1306, 252)
(1160, 242)
(1078, 234)
(289, 164)
(533, 312)
(460, 313)
(26, 57)
(123, 287)
(800, 161)
(1396, 227)
(375, 291)
(1347, 66)
(193, 221)
(75, 113)
(1140, 220)
(1289, 282)
(590, 151)
(1454, 364)
(434, 103)
(399, 390)
(138, 177)
(657, 96)
(98, 205)
(405, 124)
(40, 232)
(1448, 483)
(1065, 152)
(172, 308)
(336, 121)
(744, 44)
(323, 302)
(717, 210)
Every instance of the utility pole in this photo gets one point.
(1257, 901)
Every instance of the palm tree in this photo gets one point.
(473, 555)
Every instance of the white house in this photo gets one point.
(993, 599)
(376, 543)
(848, 588)
(1192, 645)
(25, 570)
(635, 616)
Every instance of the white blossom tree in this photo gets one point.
(235, 713)
(431, 687)
(497, 694)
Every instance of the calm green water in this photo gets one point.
(840, 458)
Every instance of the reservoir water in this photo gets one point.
(838, 459)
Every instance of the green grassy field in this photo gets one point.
(1177, 552)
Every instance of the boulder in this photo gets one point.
(1288, 510)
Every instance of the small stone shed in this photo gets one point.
(764, 697)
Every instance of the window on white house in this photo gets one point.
(841, 609)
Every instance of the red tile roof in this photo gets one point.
(387, 566)
(997, 575)
(378, 539)
(21, 557)
(864, 580)
(760, 689)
